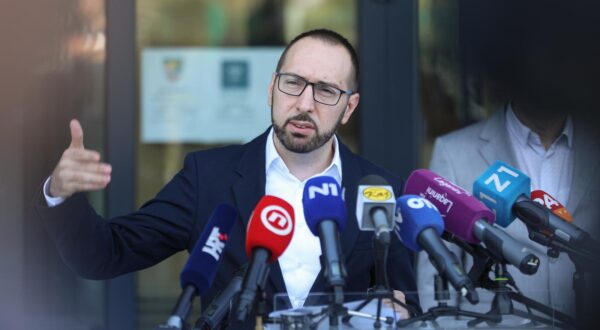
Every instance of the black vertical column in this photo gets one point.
(121, 140)
(389, 112)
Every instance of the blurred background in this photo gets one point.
(151, 80)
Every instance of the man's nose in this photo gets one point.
(306, 101)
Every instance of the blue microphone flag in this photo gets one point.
(499, 187)
(321, 200)
(416, 213)
(202, 265)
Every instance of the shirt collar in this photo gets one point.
(523, 133)
(272, 157)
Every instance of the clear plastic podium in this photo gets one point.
(313, 314)
(497, 311)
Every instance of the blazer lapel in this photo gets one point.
(585, 162)
(250, 188)
(497, 145)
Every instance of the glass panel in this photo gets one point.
(53, 62)
(476, 56)
(440, 76)
(229, 25)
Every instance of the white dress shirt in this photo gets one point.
(299, 263)
(51, 201)
(549, 170)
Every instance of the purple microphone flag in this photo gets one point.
(459, 209)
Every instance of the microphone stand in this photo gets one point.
(381, 290)
(502, 303)
(335, 309)
(584, 261)
(442, 295)
(335, 274)
(483, 262)
(259, 304)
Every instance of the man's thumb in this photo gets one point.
(76, 134)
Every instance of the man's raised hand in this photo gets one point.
(78, 169)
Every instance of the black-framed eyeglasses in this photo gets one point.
(295, 85)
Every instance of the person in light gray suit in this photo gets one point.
(545, 69)
(464, 155)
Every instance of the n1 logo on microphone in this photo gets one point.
(277, 220)
(215, 243)
(326, 189)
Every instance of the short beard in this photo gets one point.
(301, 146)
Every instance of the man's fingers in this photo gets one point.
(91, 168)
(104, 168)
(74, 180)
(76, 134)
(84, 166)
(82, 155)
(398, 295)
(399, 309)
(66, 182)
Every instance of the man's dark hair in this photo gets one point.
(329, 37)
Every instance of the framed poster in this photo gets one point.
(205, 95)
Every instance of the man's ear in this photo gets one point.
(350, 107)
(270, 90)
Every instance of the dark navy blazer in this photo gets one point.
(173, 220)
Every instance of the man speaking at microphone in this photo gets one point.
(312, 93)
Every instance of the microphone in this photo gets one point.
(505, 190)
(200, 269)
(419, 227)
(375, 205)
(215, 312)
(268, 234)
(552, 204)
(325, 214)
(469, 219)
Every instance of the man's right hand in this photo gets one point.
(78, 169)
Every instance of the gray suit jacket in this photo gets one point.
(463, 155)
